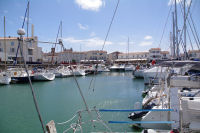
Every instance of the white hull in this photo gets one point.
(44, 77)
(139, 73)
(5, 80)
(78, 73)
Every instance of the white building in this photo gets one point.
(194, 54)
(96, 55)
(133, 55)
(157, 54)
(30, 49)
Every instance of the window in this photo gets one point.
(30, 52)
(1, 49)
(30, 59)
(12, 43)
(12, 50)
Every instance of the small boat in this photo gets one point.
(5, 79)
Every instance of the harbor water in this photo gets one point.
(60, 99)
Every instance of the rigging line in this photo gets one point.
(190, 39)
(25, 15)
(30, 83)
(108, 31)
(110, 24)
(165, 26)
(100, 120)
(55, 43)
(197, 36)
(22, 28)
(190, 29)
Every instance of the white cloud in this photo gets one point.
(92, 34)
(147, 37)
(93, 5)
(171, 2)
(82, 27)
(146, 43)
(90, 42)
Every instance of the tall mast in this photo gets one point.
(27, 18)
(128, 49)
(173, 36)
(176, 25)
(5, 41)
(184, 18)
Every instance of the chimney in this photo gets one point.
(32, 28)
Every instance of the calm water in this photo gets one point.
(60, 99)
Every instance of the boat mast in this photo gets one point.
(128, 49)
(184, 18)
(5, 42)
(176, 27)
(173, 35)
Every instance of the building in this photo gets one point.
(48, 57)
(96, 55)
(30, 49)
(194, 54)
(153, 54)
(133, 55)
(157, 54)
(113, 56)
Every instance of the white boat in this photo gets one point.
(117, 67)
(155, 74)
(44, 76)
(78, 72)
(19, 75)
(5, 79)
(61, 72)
(129, 67)
(139, 73)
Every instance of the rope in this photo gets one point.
(61, 123)
(110, 24)
(165, 26)
(108, 31)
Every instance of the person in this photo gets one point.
(153, 62)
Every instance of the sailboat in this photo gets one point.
(4, 77)
(128, 66)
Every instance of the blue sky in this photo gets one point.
(85, 22)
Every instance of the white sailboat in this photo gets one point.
(4, 77)
(44, 76)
